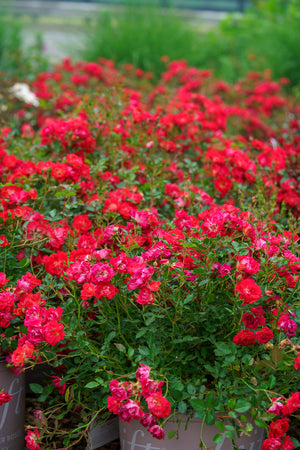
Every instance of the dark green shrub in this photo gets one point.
(140, 35)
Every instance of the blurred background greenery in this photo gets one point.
(265, 36)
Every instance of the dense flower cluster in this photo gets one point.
(126, 401)
(154, 226)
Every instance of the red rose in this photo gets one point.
(54, 332)
(252, 321)
(249, 291)
(271, 444)
(247, 264)
(292, 404)
(158, 405)
(278, 428)
(157, 432)
(5, 397)
(264, 335)
(244, 337)
(222, 184)
(287, 444)
(113, 405)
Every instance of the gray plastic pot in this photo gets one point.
(103, 433)
(134, 436)
(12, 414)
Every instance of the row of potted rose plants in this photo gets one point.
(150, 253)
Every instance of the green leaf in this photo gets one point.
(223, 349)
(210, 417)
(272, 382)
(295, 442)
(191, 389)
(230, 434)
(221, 426)
(111, 335)
(120, 347)
(218, 439)
(242, 406)
(92, 384)
(36, 388)
(24, 262)
(197, 404)
(182, 406)
(176, 384)
(150, 320)
(141, 333)
(144, 351)
(171, 434)
(260, 422)
(130, 352)
(200, 414)
(188, 299)
(210, 400)
(231, 403)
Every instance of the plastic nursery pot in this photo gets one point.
(103, 433)
(134, 436)
(12, 414)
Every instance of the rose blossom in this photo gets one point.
(247, 264)
(264, 335)
(130, 410)
(278, 428)
(54, 332)
(271, 444)
(117, 390)
(252, 321)
(244, 337)
(140, 278)
(288, 325)
(292, 404)
(297, 362)
(277, 406)
(31, 440)
(56, 381)
(148, 420)
(287, 444)
(157, 432)
(5, 397)
(158, 405)
(143, 372)
(113, 405)
(101, 272)
(145, 297)
(249, 291)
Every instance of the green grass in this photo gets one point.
(10, 41)
(265, 37)
(140, 36)
(16, 60)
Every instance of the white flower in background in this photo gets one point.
(22, 92)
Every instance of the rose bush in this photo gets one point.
(153, 227)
